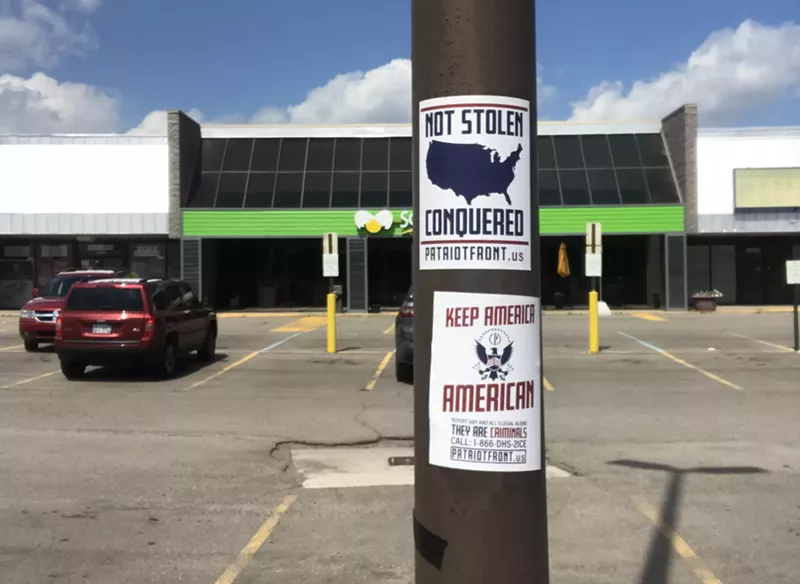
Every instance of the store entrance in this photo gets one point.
(266, 273)
(624, 271)
(389, 270)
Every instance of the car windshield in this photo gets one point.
(106, 298)
(60, 285)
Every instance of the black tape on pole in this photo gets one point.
(429, 545)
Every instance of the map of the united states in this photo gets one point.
(470, 170)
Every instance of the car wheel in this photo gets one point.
(209, 349)
(404, 372)
(31, 346)
(72, 370)
(166, 366)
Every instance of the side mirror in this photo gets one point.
(35, 293)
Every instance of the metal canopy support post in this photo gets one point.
(478, 524)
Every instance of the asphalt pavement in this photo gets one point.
(677, 448)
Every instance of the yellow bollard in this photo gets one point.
(594, 325)
(331, 323)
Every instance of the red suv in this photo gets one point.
(37, 320)
(133, 321)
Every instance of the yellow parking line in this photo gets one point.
(29, 380)
(648, 316)
(255, 543)
(389, 330)
(681, 546)
(765, 343)
(680, 361)
(244, 359)
(373, 382)
(302, 325)
(548, 386)
(4, 349)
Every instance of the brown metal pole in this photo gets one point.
(480, 509)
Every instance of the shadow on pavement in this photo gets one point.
(659, 556)
(186, 366)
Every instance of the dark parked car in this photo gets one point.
(133, 321)
(404, 340)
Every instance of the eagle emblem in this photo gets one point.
(494, 350)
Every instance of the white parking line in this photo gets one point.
(241, 361)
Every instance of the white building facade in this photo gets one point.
(82, 202)
(746, 220)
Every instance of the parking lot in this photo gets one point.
(674, 453)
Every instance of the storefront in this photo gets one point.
(272, 258)
(745, 222)
(82, 202)
(255, 201)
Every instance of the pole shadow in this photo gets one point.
(658, 565)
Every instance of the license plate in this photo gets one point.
(101, 329)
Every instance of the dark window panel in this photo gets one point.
(568, 152)
(345, 190)
(596, 152)
(632, 186)
(574, 189)
(545, 154)
(662, 185)
(213, 150)
(208, 190)
(400, 154)
(265, 154)
(317, 190)
(237, 154)
(549, 194)
(348, 154)
(293, 155)
(260, 188)
(603, 185)
(374, 190)
(320, 154)
(651, 149)
(623, 150)
(375, 154)
(401, 190)
(287, 190)
(232, 186)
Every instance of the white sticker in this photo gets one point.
(485, 384)
(475, 183)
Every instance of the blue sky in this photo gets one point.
(232, 59)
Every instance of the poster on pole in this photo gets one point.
(485, 382)
(475, 183)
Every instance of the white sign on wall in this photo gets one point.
(485, 394)
(793, 272)
(475, 183)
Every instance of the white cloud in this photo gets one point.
(84, 5)
(35, 33)
(155, 123)
(42, 105)
(731, 72)
(381, 95)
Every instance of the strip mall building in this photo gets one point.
(239, 211)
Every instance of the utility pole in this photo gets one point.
(480, 492)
